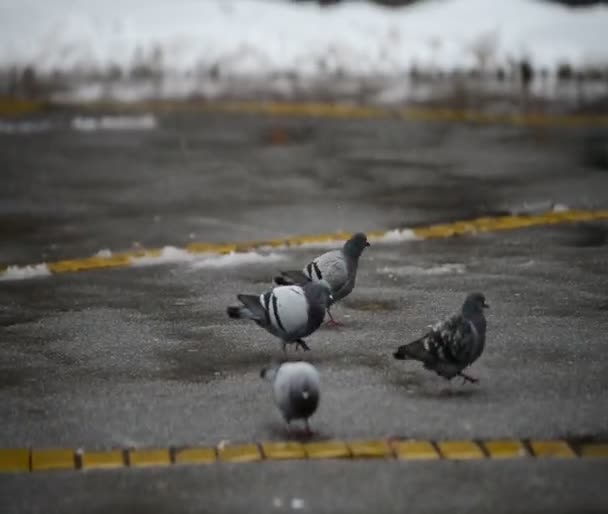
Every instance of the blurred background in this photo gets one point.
(547, 54)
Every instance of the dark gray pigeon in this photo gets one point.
(337, 267)
(453, 344)
(297, 389)
(287, 312)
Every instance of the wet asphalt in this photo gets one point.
(146, 356)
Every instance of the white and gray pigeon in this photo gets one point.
(454, 344)
(297, 390)
(287, 312)
(337, 267)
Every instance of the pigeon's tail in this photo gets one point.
(304, 402)
(414, 351)
(239, 312)
(290, 278)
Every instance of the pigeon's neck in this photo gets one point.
(476, 317)
(472, 312)
(351, 259)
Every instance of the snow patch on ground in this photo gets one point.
(168, 255)
(397, 236)
(92, 124)
(24, 127)
(172, 255)
(25, 272)
(442, 269)
(236, 259)
(104, 253)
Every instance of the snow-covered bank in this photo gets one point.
(185, 47)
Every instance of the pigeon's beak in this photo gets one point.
(485, 305)
(367, 244)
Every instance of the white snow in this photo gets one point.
(442, 269)
(235, 259)
(123, 122)
(197, 44)
(171, 255)
(168, 255)
(25, 272)
(104, 253)
(396, 236)
(24, 127)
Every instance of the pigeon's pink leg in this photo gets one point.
(332, 322)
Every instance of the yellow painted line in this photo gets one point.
(340, 110)
(52, 458)
(505, 449)
(149, 457)
(460, 450)
(370, 449)
(552, 449)
(283, 450)
(336, 110)
(14, 460)
(10, 107)
(103, 460)
(594, 450)
(239, 453)
(442, 230)
(21, 460)
(327, 450)
(415, 450)
(195, 456)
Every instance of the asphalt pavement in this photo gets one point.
(146, 356)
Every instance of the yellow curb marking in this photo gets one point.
(337, 110)
(239, 453)
(17, 460)
(14, 460)
(195, 456)
(18, 107)
(52, 458)
(103, 460)
(443, 230)
(460, 450)
(370, 449)
(327, 450)
(283, 450)
(415, 450)
(594, 450)
(505, 449)
(149, 457)
(552, 449)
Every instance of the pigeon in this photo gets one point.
(337, 267)
(453, 344)
(296, 387)
(287, 312)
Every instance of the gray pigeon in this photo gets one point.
(337, 267)
(453, 344)
(287, 312)
(296, 388)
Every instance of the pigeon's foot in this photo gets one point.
(468, 378)
(302, 343)
(307, 431)
(332, 323)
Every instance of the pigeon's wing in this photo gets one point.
(255, 305)
(288, 309)
(447, 342)
(454, 341)
(330, 266)
(291, 277)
